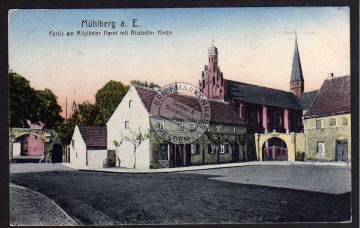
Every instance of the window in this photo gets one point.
(126, 124)
(219, 128)
(130, 103)
(319, 124)
(345, 121)
(222, 148)
(195, 148)
(192, 126)
(73, 143)
(332, 121)
(161, 125)
(234, 129)
(212, 148)
(320, 147)
(214, 80)
(181, 126)
(163, 153)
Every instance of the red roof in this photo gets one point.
(94, 136)
(221, 112)
(334, 97)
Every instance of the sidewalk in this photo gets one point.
(32, 208)
(204, 167)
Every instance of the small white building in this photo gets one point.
(88, 146)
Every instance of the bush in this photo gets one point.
(300, 156)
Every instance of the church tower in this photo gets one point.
(297, 79)
(212, 80)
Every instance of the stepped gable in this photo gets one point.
(334, 97)
(221, 112)
(95, 137)
(239, 91)
(307, 98)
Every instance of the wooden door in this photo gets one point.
(341, 150)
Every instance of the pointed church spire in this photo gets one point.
(297, 79)
(296, 73)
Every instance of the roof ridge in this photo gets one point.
(261, 86)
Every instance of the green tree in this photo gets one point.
(65, 131)
(48, 108)
(22, 101)
(25, 103)
(145, 83)
(86, 114)
(107, 100)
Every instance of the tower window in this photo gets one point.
(130, 103)
(126, 124)
(214, 80)
(203, 84)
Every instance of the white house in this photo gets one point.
(133, 116)
(88, 146)
(129, 117)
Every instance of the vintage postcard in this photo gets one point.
(167, 116)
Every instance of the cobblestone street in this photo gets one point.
(100, 198)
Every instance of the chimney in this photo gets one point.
(330, 75)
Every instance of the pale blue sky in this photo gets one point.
(255, 46)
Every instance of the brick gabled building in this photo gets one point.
(264, 110)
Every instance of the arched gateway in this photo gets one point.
(275, 149)
(279, 146)
(44, 145)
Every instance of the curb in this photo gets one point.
(206, 167)
(70, 221)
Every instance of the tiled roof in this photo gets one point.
(94, 136)
(221, 112)
(334, 97)
(261, 95)
(307, 98)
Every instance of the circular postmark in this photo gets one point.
(180, 113)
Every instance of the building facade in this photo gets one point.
(273, 117)
(223, 141)
(328, 122)
(88, 147)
